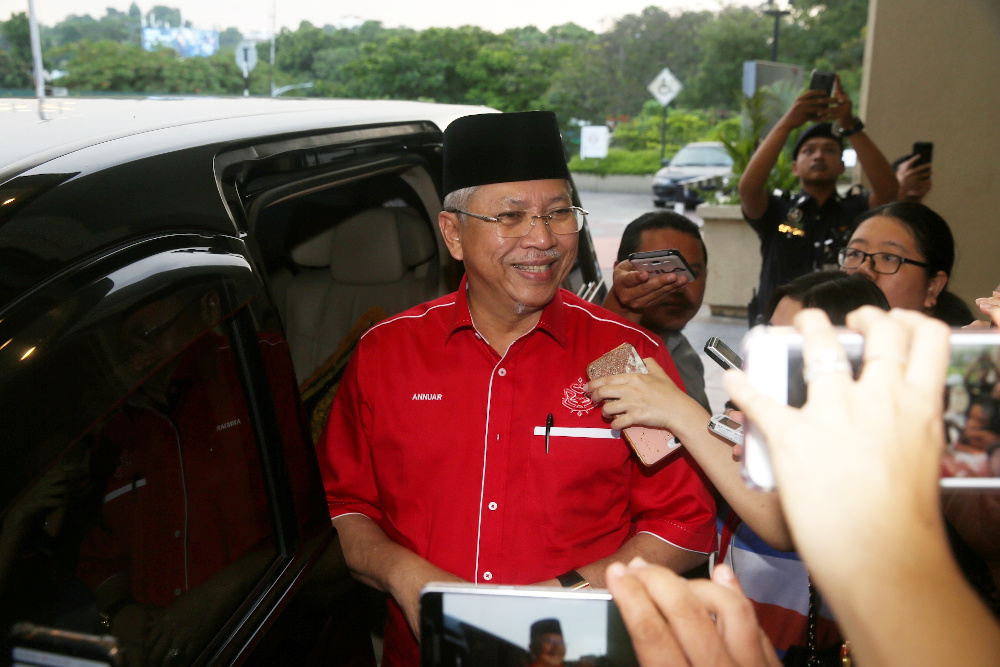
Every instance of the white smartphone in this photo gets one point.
(972, 401)
(668, 260)
(726, 427)
(502, 626)
(722, 354)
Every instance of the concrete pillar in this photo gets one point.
(932, 73)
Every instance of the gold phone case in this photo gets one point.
(651, 445)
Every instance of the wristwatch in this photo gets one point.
(844, 133)
(573, 580)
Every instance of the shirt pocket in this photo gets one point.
(580, 487)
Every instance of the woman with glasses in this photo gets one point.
(908, 251)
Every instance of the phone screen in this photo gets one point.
(971, 392)
(506, 626)
(720, 348)
(822, 81)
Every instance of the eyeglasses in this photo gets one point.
(881, 262)
(515, 224)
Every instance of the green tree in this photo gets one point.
(229, 39)
(645, 130)
(608, 74)
(418, 65)
(162, 16)
(736, 34)
(15, 52)
(127, 68)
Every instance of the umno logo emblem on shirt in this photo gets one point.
(576, 399)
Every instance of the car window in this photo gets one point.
(135, 501)
(701, 156)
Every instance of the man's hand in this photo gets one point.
(675, 621)
(842, 111)
(810, 106)
(376, 560)
(633, 291)
(914, 181)
(407, 580)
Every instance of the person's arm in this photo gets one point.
(875, 165)
(857, 468)
(810, 105)
(376, 560)
(649, 548)
(633, 291)
(654, 400)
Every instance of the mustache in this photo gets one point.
(552, 253)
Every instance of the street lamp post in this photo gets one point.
(772, 10)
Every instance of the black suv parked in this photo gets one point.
(181, 282)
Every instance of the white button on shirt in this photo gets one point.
(487, 575)
(493, 506)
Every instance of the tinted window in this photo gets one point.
(134, 496)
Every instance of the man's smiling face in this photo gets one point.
(514, 275)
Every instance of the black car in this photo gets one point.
(181, 284)
(696, 168)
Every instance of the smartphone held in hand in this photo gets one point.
(774, 366)
(821, 80)
(469, 624)
(662, 262)
(651, 445)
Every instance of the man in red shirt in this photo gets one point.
(461, 445)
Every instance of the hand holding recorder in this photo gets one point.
(857, 469)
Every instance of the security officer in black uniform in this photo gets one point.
(803, 232)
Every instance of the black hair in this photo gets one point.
(951, 310)
(657, 220)
(935, 242)
(834, 292)
(930, 231)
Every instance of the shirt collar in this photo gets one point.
(552, 321)
(803, 198)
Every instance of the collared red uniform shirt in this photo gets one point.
(441, 441)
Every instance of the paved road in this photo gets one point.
(609, 214)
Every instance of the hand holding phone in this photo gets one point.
(662, 262)
(925, 151)
(821, 80)
(651, 445)
(774, 366)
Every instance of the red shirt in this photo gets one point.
(440, 441)
(186, 496)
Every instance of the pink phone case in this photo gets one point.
(651, 445)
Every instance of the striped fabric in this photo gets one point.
(776, 583)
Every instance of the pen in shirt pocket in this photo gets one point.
(548, 428)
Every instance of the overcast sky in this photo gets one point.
(254, 15)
